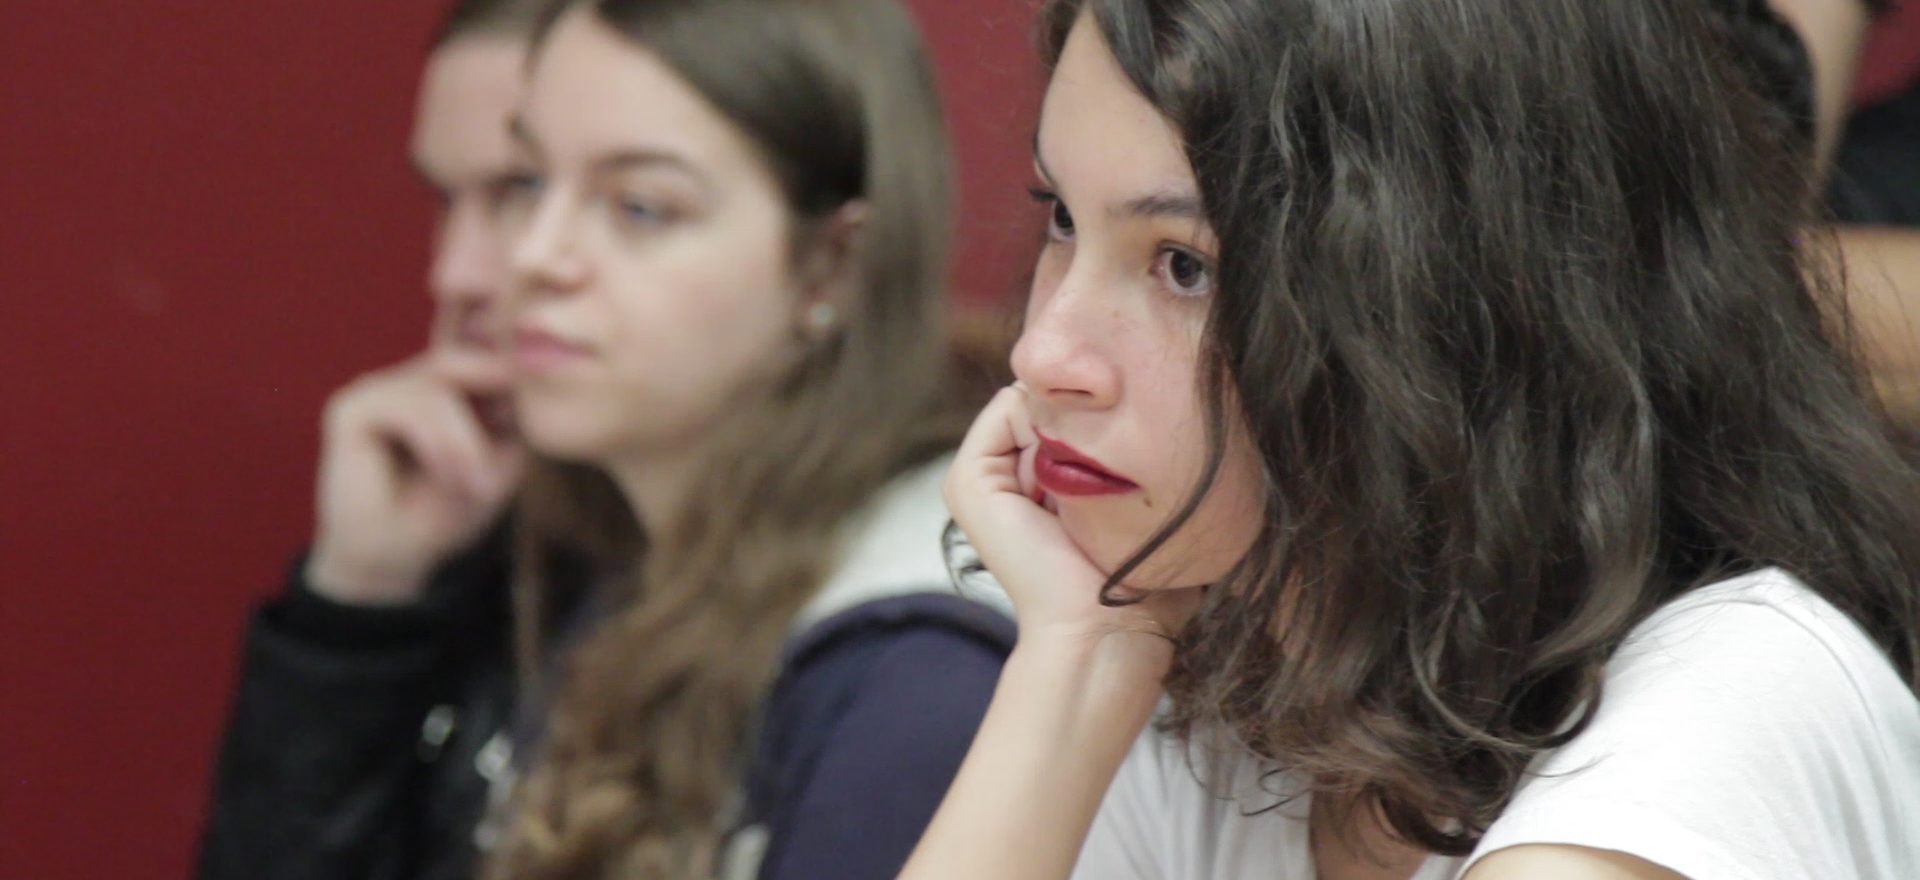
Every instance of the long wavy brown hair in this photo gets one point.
(1518, 301)
(648, 716)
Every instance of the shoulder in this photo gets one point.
(888, 649)
(1566, 863)
(886, 673)
(865, 728)
(1756, 656)
(1747, 730)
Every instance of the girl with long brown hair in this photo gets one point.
(743, 652)
(1433, 413)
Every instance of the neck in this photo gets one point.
(656, 483)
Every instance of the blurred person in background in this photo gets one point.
(1862, 137)
(720, 402)
(370, 687)
(728, 302)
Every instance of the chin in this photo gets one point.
(555, 431)
(1109, 547)
(1176, 564)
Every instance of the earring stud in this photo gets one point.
(821, 316)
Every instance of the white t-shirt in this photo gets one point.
(1748, 731)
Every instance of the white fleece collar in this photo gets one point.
(892, 548)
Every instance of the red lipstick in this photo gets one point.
(1064, 471)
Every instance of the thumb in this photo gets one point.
(479, 375)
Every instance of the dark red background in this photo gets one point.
(209, 224)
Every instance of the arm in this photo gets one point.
(1061, 721)
(1566, 863)
(1881, 264)
(1078, 689)
(318, 764)
(317, 773)
(1752, 732)
(1882, 267)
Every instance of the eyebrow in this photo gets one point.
(1175, 204)
(618, 159)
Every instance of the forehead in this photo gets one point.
(467, 92)
(1098, 132)
(593, 91)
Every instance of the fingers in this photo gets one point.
(507, 465)
(988, 460)
(1021, 419)
(464, 440)
(481, 375)
(995, 432)
(431, 424)
(1029, 483)
(429, 439)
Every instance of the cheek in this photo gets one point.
(1205, 547)
(1167, 428)
(1228, 520)
(695, 325)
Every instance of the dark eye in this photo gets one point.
(1185, 273)
(1059, 219)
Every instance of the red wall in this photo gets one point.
(209, 225)
(1890, 60)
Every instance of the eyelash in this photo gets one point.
(1162, 262)
(1163, 267)
(1056, 211)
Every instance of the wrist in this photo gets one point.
(1112, 680)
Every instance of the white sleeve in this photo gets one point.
(1125, 838)
(1745, 740)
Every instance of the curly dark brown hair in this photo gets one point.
(1516, 300)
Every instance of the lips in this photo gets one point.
(538, 349)
(1064, 471)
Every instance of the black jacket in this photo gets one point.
(355, 734)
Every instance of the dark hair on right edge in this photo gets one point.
(1513, 300)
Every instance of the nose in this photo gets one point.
(468, 277)
(546, 256)
(1060, 355)
(469, 267)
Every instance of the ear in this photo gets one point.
(830, 268)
